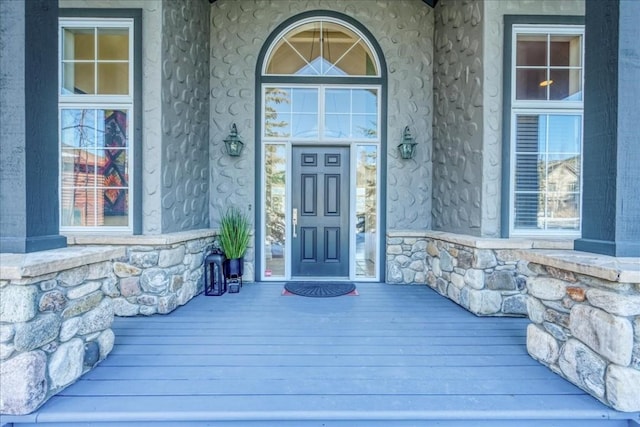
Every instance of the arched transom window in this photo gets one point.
(321, 47)
(321, 79)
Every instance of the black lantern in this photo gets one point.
(214, 281)
(233, 143)
(408, 145)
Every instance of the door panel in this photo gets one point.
(320, 245)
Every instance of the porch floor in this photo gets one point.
(392, 356)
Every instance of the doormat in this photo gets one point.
(320, 289)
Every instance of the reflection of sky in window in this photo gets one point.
(349, 113)
(320, 66)
(337, 101)
(336, 125)
(304, 100)
(365, 101)
(563, 138)
(365, 125)
(279, 100)
(305, 126)
(78, 127)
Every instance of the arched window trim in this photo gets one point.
(290, 79)
(320, 17)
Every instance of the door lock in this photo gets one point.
(294, 221)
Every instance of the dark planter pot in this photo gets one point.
(233, 268)
(233, 274)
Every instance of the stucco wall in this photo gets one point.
(151, 104)
(185, 115)
(457, 121)
(175, 111)
(493, 33)
(467, 178)
(404, 30)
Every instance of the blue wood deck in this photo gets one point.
(392, 356)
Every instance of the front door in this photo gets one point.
(320, 211)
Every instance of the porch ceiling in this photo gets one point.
(431, 3)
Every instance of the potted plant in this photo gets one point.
(235, 233)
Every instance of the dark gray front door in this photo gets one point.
(320, 244)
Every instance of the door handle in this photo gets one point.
(294, 221)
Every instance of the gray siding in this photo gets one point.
(28, 166)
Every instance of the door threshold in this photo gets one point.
(319, 279)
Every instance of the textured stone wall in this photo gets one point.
(158, 278)
(158, 273)
(487, 282)
(587, 329)
(457, 121)
(493, 37)
(185, 115)
(404, 30)
(483, 276)
(53, 328)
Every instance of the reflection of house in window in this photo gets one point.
(79, 171)
(95, 178)
(114, 168)
(562, 183)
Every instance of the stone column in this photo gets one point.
(29, 126)
(611, 164)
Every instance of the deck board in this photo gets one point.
(394, 355)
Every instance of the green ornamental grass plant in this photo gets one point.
(235, 232)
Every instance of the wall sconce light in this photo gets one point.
(233, 143)
(408, 145)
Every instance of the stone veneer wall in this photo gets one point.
(483, 275)
(56, 307)
(158, 273)
(185, 115)
(584, 307)
(586, 324)
(55, 323)
(457, 119)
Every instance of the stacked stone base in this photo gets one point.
(483, 275)
(158, 273)
(586, 327)
(57, 307)
(54, 326)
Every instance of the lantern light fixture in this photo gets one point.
(408, 145)
(233, 143)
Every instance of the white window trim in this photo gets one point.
(94, 101)
(554, 107)
(322, 88)
(321, 20)
(353, 143)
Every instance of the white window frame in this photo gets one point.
(353, 143)
(541, 107)
(321, 20)
(100, 102)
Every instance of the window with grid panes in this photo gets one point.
(546, 129)
(95, 124)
